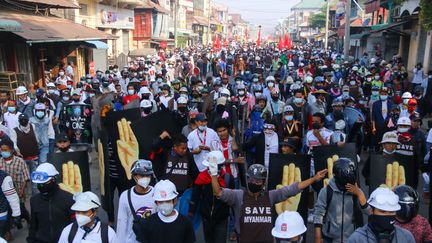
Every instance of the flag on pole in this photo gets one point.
(286, 42)
(258, 43)
(280, 44)
(218, 44)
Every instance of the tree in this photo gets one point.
(426, 14)
(317, 20)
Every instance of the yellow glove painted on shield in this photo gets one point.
(71, 181)
(127, 146)
(291, 174)
(330, 162)
(395, 175)
(101, 167)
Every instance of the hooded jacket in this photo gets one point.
(365, 235)
(333, 225)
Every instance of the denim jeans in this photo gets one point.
(43, 153)
(32, 164)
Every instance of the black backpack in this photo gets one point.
(104, 232)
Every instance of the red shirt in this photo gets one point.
(419, 228)
(128, 98)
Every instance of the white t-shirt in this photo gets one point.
(196, 138)
(11, 120)
(271, 146)
(93, 236)
(143, 205)
(312, 141)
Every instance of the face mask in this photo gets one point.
(40, 114)
(289, 117)
(144, 182)
(315, 125)
(184, 95)
(131, 91)
(51, 91)
(82, 219)
(377, 78)
(11, 109)
(254, 188)
(388, 152)
(345, 93)
(241, 93)
(270, 85)
(91, 95)
(352, 83)
(258, 94)
(165, 208)
(298, 100)
(383, 97)
(369, 79)
(6, 154)
(375, 93)
(275, 98)
(61, 73)
(202, 128)
(382, 223)
(146, 110)
(65, 98)
(46, 188)
(403, 129)
(255, 80)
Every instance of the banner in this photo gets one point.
(284, 170)
(391, 170)
(103, 157)
(74, 170)
(326, 155)
(78, 123)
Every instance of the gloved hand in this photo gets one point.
(213, 167)
(17, 222)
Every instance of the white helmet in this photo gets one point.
(336, 66)
(289, 80)
(372, 60)
(182, 100)
(214, 155)
(288, 108)
(384, 199)
(290, 64)
(225, 92)
(355, 68)
(406, 95)
(164, 190)
(308, 79)
(288, 225)
(85, 201)
(146, 104)
(21, 90)
(47, 169)
(144, 90)
(50, 85)
(270, 78)
(404, 121)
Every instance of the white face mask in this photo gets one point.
(131, 91)
(143, 182)
(202, 128)
(166, 208)
(241, 92)
(61, 73)
(270, 85)
(82, 219)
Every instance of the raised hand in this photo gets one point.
(291, 174)
(330, 162)
(71, 181)
(127, 146)
(395, 175)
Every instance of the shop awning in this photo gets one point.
(142, 52)
(10, 25)
(98, 44)
(200, 20)
(54, 3)
(390, 28)
(43, 29)
(147, 4)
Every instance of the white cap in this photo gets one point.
(308, 79)
(270, 78)
(21, 90)
(288, 225)
(164, 190)
(390, 137)
(182, 100)
(146, 104)
(76, 92)
(40, 106)
(51, 84)
(183, 89)
(384, 199)
(340, 124)
(85, 201)
(355, 68)
(406, 95)
(225, 91)
(217, 155)
(47, 168)
(404, 121)
(288, 108)
(144, 90)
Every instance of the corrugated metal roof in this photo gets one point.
(54, 3)
(309, 4)
(40, 29)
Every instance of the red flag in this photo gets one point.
(289, 43)
(286, 41)
(218, 44)
(225, 43)
(258, 43)
(280, 44)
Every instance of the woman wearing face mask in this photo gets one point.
(136, 203)
(10, 118)
(131, 95)
(51, 208)
(87, 226)
(381, 228)
(389, 144)
(167, 225)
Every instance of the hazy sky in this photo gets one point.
(261, 12)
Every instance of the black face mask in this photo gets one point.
(147, 110)
(64, 149)
(254, 188)
(105, 84)
(382, 226)
(23, 122)
(275, 98)
(196, 96)
(338, 115)
(76, 100)
(182, 109)
(220, 108)
(47, 188)
(316, 125)
(146, 97)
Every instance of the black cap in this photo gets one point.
(23, 116)
(290, 142)
(201, 117)
(62, 137)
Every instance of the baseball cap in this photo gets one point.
(201, 117)
(390, 137)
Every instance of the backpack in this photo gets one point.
(357, 214)
(104, 232)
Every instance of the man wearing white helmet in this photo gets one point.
(24, 103)
(44, 130)
(167, 225)
(135, 204)
(51, 208)
(271, 85)
(289, 227)
(146, 108)
(381, 228)
(87, 226)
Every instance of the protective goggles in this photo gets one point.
(269, 126)
(39, 176)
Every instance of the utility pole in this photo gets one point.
(327, 24)
(175, 22)
(208, 22)
(347, 29)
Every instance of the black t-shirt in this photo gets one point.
(153, 229)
